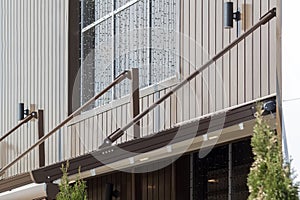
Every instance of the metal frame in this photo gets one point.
(112, 14)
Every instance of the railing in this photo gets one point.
(133, 75)
(24, 121)
(137, 117)
(119, 132)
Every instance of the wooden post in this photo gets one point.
(41, 134)
(135, 103)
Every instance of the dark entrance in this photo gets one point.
(222, 174)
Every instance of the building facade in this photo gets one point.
(56, 55)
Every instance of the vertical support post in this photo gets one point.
(41, 134)
(135, 102)
(229, 171)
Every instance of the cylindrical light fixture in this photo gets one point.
(21, 112)
(228, 15)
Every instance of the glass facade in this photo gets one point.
(118, 35)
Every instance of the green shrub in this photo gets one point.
(76, 191)
(268, 179)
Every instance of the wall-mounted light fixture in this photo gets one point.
(110, 192)
(229, 15)
(22, 111)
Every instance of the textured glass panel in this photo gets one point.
(96, 64)
(119, 3)
(102, 8)
(144, 37)
(87, 12)
(131, 42)
(103, 60)
(163, 39)
(87, 65)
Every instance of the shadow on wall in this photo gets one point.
(3, 157)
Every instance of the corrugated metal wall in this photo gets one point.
(246, 73)
(33, 70)
(155, 185)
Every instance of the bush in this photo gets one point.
(76, 191)
(268, 179)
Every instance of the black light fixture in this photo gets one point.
(269, 106)
(229, 15)
(110, 192)
(22, 111)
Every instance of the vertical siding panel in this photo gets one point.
(68, 143)
(150, 185)
(241, 62)
(162, 112)
(168, 111)
(124, 121)
(161, 186)
(265, 67)
(179, 93)
(36, 72)
(272, 51)
(234, 64)
(219, 63)
(192, 88)
(104, 124)
(226, 67)
(212, 52)
(73, 141)
(129, 118)
(144, 187)
(205, 39)
(2, 91)
(82, 136)
(100, 132)
(95, 134)
(145, 118)
(256, 81)
(199, 54)
(109, 122)
(103, 184)
(168, 182)
(76, 138)
(151, 115)
(31, 50)
(90, 134)
(248, 51)
(155, 186)
(186, 59)
(174, 109)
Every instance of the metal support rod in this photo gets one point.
(117, 134)
(41, 134)
(135, 101)
(25, 120)
(118, 79)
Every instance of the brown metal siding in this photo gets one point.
(155, 185)
(33, 70)
(246, 73)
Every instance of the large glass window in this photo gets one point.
(117, 35)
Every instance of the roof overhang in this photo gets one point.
(236, 125)
(193, 133)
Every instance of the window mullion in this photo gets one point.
(149, 42)
(113, 48)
